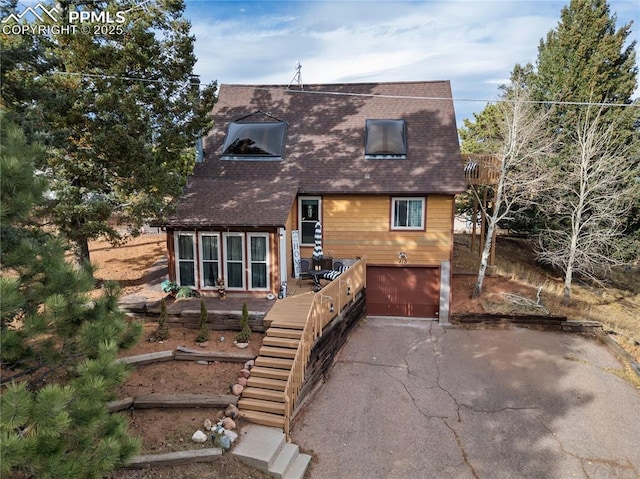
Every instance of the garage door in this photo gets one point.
(403, 291)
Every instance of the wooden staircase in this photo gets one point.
(262, 400)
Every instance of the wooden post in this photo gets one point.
(483, 225)
(474, 220)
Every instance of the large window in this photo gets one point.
(210, 259)
(234, 260)
(309, 212)
(241, 259)
(184, 243)
(258, 261)
(254, 141)
(407, 214)
(385, 139)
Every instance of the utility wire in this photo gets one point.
(122, 77)
(499, 100)
(368, 95)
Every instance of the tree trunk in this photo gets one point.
(484, 259)
(566, 295)
(81, 252)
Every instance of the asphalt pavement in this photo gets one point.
(409, 399)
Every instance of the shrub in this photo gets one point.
(162, 332)
(203, 329)
(245, 330)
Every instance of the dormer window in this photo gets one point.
(254, 141)
(385, 139)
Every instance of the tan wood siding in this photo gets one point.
(360, 226)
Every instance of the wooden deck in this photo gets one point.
(290, 312)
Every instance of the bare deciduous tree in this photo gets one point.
(522, 175)
(588, 203)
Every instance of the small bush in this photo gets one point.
(203, 329)
(162, 331)
(245, 330)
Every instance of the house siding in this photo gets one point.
(360, 225)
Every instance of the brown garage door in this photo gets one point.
(403, 291)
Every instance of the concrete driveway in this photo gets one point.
(409, 399)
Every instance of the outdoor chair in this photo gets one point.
(305, 267)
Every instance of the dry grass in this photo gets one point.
(618, 310)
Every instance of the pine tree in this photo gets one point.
(203, 329)
(120, 110)
(58, 346)
(245, 330)
(587, 59)
(162, 331)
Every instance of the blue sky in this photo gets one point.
(472, 43)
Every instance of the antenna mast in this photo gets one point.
(297, 78)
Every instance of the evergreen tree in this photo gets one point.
(162, 331)
(586, 59)
(245, 330)
(57, 346)
(203, 328)
(119, 109)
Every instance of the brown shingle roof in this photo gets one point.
(324, 150)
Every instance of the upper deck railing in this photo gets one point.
(481, 169)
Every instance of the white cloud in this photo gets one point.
(475, 44)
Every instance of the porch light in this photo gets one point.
(324, 298)
(347, 282)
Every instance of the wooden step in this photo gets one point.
(285, 333)
(284, 324)
(262, 406)
(277, 352)
(271, 373)
(263, 418)
(280, 342)
(266, 383)
(265, 394)
(278, 363)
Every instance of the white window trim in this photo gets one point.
(176, 235)
(422, 226)
(226, 260)
(300, 199)
(202, 260)
(267, 261)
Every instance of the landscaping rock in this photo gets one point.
(250, 364)
(199, 437)
(232, 435)
(231, 411)
(207, 424)
(242, 381)
(228, 423)
(237, 389)
(244, 373)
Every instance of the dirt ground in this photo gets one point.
(171, 430)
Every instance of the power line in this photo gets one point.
(122, 77)
(369, 95)
(500, 100)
